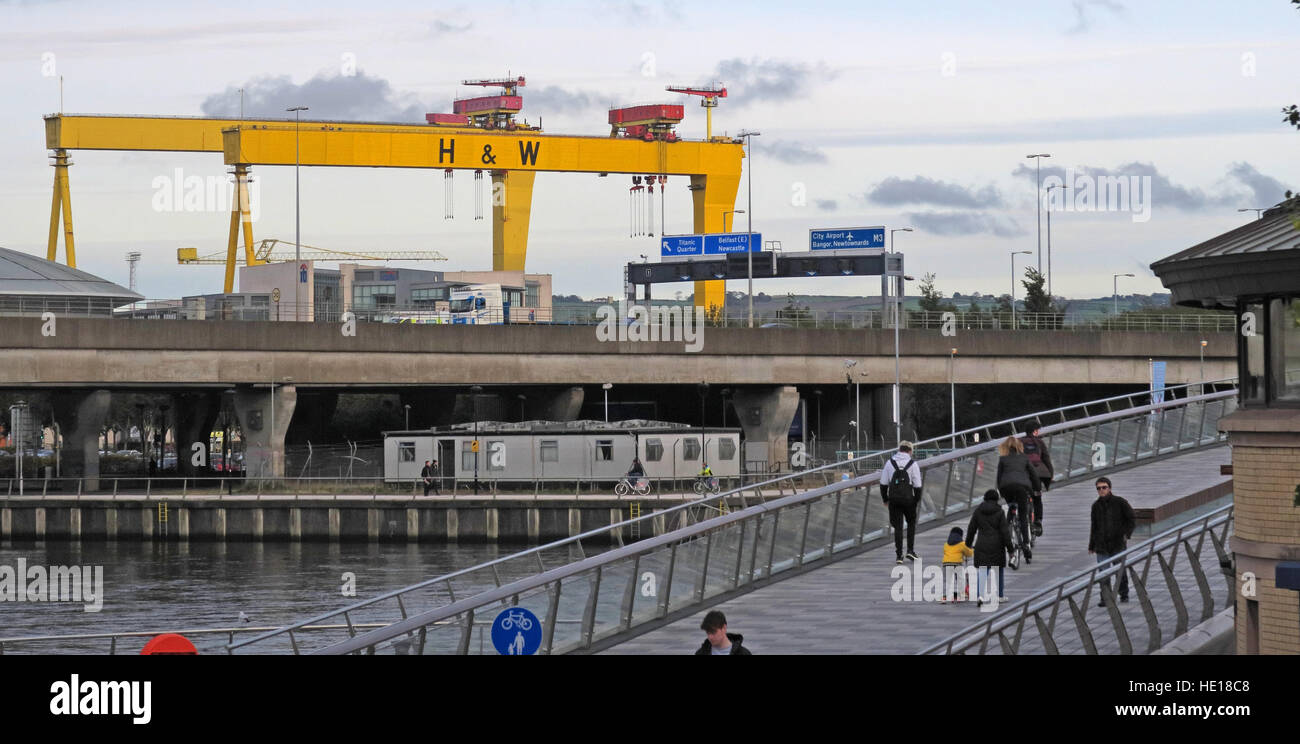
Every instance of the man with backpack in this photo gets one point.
(1040, 458)
(900, 488)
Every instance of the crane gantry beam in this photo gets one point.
(513, 159)
(713, 167)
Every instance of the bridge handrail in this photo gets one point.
(970, 455)
(1050, 599)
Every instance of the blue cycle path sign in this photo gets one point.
(516, 632)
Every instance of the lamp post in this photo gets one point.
(523, 399)
(1049, 239)
(473, 407)
(407, 406)
(724, 217)
(606, 388)
(849, 364)
(703, 389)
(1013, 284)
(1114, 287)
(1038, 188)
(297, 217)
(749, 220)
(898, 376)
(898, 299)
(1203, 345)
(952, 396)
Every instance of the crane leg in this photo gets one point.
(69, 245)
(712, 196)
(245, 217)
(512, 203)
(52, 251)
(232, 247)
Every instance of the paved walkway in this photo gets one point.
(846, 607)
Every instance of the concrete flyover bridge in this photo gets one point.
(268, 365)
(738, 546)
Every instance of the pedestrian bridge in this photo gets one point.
(812, 571)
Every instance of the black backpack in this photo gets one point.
(900, 484)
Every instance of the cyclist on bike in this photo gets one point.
(1040, 456)
(637, 470)
(1017, 481)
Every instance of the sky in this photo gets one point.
(870, 113)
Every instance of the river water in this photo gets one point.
(156, 586)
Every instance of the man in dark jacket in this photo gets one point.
(989, 533)
(718, 642)
(1112, 526)
(1040, 457)
(427, 474)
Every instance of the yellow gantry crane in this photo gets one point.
(268, 252)
(512, 156)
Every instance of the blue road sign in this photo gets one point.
(722, 243)
(1158, 382)
(516, 632)
(846, 238)
(681, 245)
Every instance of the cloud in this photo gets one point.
(1240, 179)
(787, 151)
(894, 191)
(965, 223)
(358, 97)
(438, 28)
(1082, 23)
(1266, 190)
(826, 205)
(759, 81)
(553, 99)
(637, 12)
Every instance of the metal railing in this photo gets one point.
(587, 314)
(1040, 624)
(733, 550)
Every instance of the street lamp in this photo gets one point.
(407, 406)
(1259, 212)
(724, 217)
(1013, 284)
(1115, 290)
(703, 389)
(952, 396)
(1049, 238)
(1038, 176)
(606, 388)
(297, 216)
(1203, 345)
(749, 219)
(522, 400)
(898, 377)
(849, 364)
(474, 390)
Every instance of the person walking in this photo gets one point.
(989, 533)
(1112, 526)
(900, 489)
(955, 553)
(717, 641)
(426, 474)
(1017, 481)
(1040, 457)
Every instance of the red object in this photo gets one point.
(169, 644)
(717, 92)
(658, 113)
(447, 119)
(487, 103)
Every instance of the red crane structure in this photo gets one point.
(709, 100)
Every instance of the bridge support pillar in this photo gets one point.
(265, 423)
(80, 415)
(883, 436)
(765, 416)
(562, 406)
(195, 415)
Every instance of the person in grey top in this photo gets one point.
(1017, 481)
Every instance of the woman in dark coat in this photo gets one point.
(1017, 480)
(989, 534)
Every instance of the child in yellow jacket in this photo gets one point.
(955, 553)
